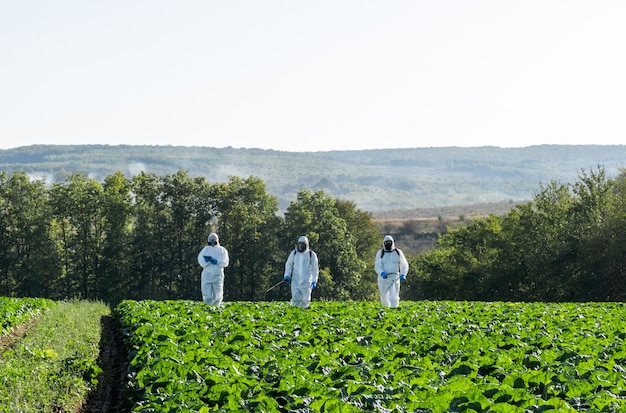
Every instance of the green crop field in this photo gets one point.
(333, 357)
(357, 357)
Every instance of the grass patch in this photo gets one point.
(55, 365)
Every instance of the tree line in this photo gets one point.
(139, 237)
(567, 244)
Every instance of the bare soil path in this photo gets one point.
(109, 396)
(9, 340)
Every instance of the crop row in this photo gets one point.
(15, 311)
(424, 356)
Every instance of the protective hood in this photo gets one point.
(305, 240)
(213, 236)
(389, 238)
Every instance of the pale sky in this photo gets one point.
(313, 75)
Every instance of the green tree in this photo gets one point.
(560, 247)
(435, 275)
(248, 228)
(613, 255)
(79, 224)
(151, 241)
(192, 209)
(149, 244)
(316, 215)
(29, 258)
(462, 263)
(368, 239)
(202, 213)
(515, 281)
(115, 273)
(172, 219)
(589, 235)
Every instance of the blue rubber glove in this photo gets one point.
(214, 261)
(402, 277)
(287, 279)
(207, 258)
(313, 285)
(384, 275)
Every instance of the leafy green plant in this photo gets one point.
(355, 356)
(15, 311)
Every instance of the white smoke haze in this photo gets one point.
(185, 163)
(222, 172)
(136, 168)
(48, 178)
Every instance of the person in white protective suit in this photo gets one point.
(391, 267)
(301, 271)
(213, 258)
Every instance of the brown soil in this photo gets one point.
(9, 340)
(109, 396)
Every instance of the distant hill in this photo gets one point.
(375, 180)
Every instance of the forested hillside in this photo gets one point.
(375, 180)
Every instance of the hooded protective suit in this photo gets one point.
(390, 265)
(302, 269)
(212, 279)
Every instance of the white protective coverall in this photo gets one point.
(212, 279)
(303, 269)
(394, 264)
